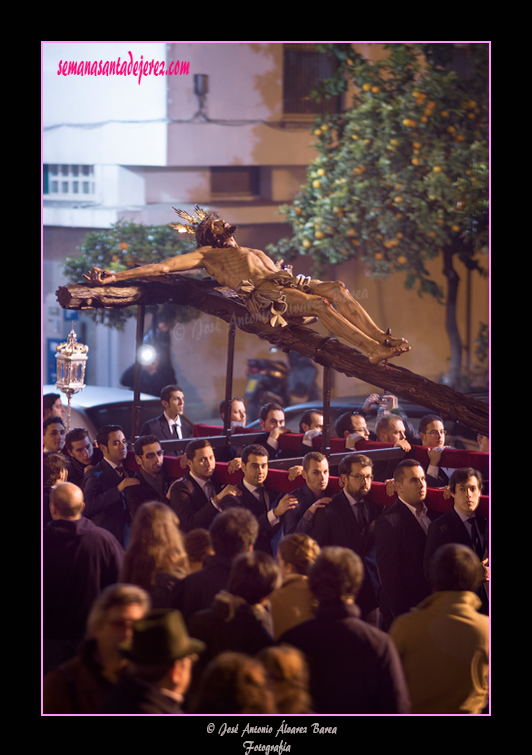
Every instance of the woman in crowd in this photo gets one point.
(288, 677)
(234, 683)
(54, 471)
(155, 557)
(292, 603)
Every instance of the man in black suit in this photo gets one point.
(390, 429)
(462, 525)
(311, 497)
(105, 483)
(171, 424)
(267, 507)
(195, 497)
(432, 434)
(80, 454)
(349, 520)
(272, 421)
(79, 560)
(400, 538)
(153, 483)
(236, 409)
(311, 425)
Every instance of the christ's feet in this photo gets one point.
(382, 353)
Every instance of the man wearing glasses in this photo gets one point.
(432, 434)
(153, 482)
(348, 521)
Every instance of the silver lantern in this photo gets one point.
(71, 359)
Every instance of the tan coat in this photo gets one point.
(444, 648)
(291, 604)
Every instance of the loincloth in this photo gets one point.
(266, 300)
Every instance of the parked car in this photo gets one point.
(94, 407)
(456, 434)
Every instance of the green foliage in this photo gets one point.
(123, 246)
(482, 343)
(402, 174)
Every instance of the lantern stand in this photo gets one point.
(71, 359)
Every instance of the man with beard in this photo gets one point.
(348, 521)
(153, 483)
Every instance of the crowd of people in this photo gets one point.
(187, 595)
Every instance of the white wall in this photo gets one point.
(77, 104)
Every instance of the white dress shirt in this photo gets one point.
(174, 423)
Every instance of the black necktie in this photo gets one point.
(475, 539)
(262, 496)
(120, 471)
(360, 516)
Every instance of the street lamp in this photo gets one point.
(71, 359)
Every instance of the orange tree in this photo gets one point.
(401, 176)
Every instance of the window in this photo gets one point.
(235, 181)
(303, 69)
(69, 182)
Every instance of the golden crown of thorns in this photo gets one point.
(201, 215)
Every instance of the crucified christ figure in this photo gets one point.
(270, 292)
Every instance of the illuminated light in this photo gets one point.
(146, 354)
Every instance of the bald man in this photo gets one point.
(79, 561)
